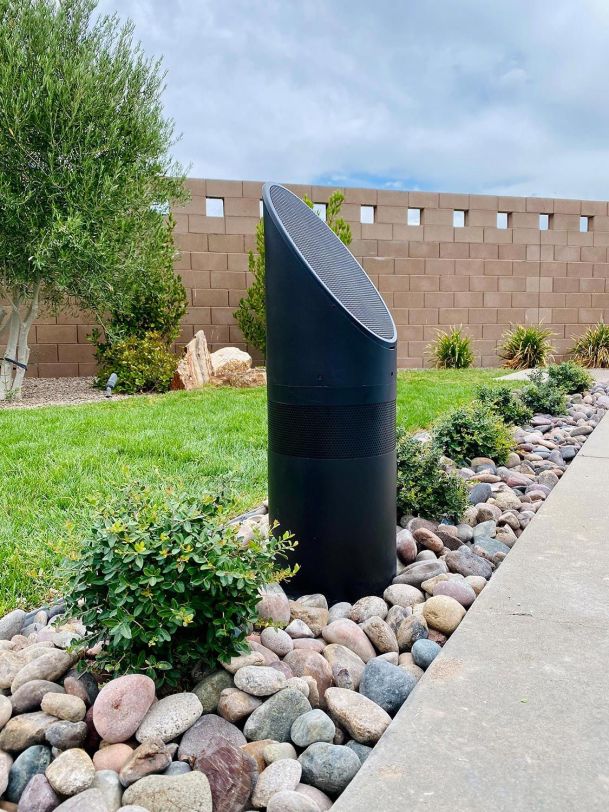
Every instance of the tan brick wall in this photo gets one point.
(431, 275)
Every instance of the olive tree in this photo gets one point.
(86, 174)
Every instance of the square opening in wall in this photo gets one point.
(414, 217)
(544, 222)
(459, 218)
(214, 206)
(502, 219)
(366, 214)
(584, 223)
(320, 210)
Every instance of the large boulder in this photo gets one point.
(230, 359)
(195, 367)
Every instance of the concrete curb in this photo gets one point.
(514, 713)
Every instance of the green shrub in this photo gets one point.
(452, 349)
(251, 313)
(424, 487)
(541, 395)
(143, 364)
(505, 402)
(472, 431)
(570, 377)
(525, 347)
(164, 583)
(592, 348)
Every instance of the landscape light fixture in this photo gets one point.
(331, 383)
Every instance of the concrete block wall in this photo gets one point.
(432, 275)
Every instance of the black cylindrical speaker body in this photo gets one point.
(331, 371)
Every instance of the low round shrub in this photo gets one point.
(505, 402)
(570, 377)
(525, 347)
(472, 431)
(143, 364)
(452, 349)
(425, 488)
(163, 583)
(592, 348)
(541, 395)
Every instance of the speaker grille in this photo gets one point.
(332, 432)
(333, 263)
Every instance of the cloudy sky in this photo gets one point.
(487, 96)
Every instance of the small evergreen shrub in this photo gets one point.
(505, 402)
(164, 583)
(143, 364)
(425, 488)
(525, 347)
(592, 348)
(541, 395)
(472, 431)
(570, 377)
(452, 349)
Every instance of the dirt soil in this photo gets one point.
(58, 392)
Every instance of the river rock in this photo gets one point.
(464, 562)
(359, 716)
(424, 653)
(381, 635)
(341, 659)
(82, 684)
(91, 800)
(298, 630)
(32, 761)
(170, 717)
(25, 731)
(347, 633)
(362, 751)
(428, 540)
(315, 617)
(277, 640)
(108, 783)
(274, 718)
(243, 660)
(113, 757)
(386, 685)
(403, 595)
(63, 706)
(311, 664)
(232, 774)
(152, 756)
(420, 571)
(274, 604)
(443, 613)
(29, 696)
(160, 793)
(316, 600)
(11, 624)
(274, 751)
(480, 493)
(406, 546)
(63, 735)
(280, 775)
(71, 772)
(50, 666)
(6, 762)
(257, 749)
(321, 799)
(208, 727)
(270, 658)
(235, 705)
(314, 726)
(338, 610)
(210, 687)
(410, 629)
(39, 795)
(329, 767)
(259, 680)
(459, 590)
(291, 801)
(370, 606)
(121, 705)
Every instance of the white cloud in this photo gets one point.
(459, 96)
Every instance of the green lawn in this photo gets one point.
(54, 460)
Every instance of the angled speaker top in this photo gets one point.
(330, 261)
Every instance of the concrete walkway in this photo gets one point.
(514, 713)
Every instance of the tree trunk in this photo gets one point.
(17, 347)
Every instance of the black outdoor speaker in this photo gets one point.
(331, 370)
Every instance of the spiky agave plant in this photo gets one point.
(452, 349)
(592, 348)
(526, 346)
